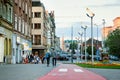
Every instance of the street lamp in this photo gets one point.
(97, 34)
(81, 33)
(90, 14)
(77, 38)
(85, 41)
(103, 35)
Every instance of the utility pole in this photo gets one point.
(72, 44)
(85, 41)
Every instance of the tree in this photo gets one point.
(113, 42)
(73, 46)
(89, 50)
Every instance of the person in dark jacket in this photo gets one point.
(47, 56)
(54, 57)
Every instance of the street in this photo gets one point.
(37, 71)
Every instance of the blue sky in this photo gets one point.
(73, 13)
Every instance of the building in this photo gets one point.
(21, 30)
(6, 28)
(109, 29)
(39, 28)
(116, 22)
(57, 44)
(53, 28)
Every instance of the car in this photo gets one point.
(63, 57)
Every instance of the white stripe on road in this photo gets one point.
(63, 70)
(78, 70)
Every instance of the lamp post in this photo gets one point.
(103, 35)
(77, 38)
(72, 44)
(81, 33)
(85, 41)
(90, 14)
(97, 34)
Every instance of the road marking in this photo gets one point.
(63, 70)
(78, 70)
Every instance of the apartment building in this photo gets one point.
(109, 29)
(21, 30)
(116, 22)
(39, 28)
(6, 27)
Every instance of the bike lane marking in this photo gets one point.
(71, 72)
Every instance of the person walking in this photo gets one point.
(47, 56)
(54, 57)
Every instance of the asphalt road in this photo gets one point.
(109, 74)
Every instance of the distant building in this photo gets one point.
(57, 44)
(109, 29)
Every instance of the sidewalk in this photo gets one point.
(71, 72)
(23, 71)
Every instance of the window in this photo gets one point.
(0, 8)
(15, 22)
(32, 15)
(19, 24)
(26, 28)
(32, 26)
(37, 26)
(32, 39)
(9, 15)
(29, 31)
(26, 8)
(29, 12)
(4, 11)
(38, 14)
(19, 3)
(37, 39)
(23, 26)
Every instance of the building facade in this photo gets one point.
(39, 28)
(109, 29)
(6, 28)
(21, 30)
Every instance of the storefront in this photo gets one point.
(20, 46)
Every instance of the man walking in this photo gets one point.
(54, 55)
(47, 56)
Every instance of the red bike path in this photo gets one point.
(71, 72)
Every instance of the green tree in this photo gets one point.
(89, 50)
(73, 46)
(113, 42)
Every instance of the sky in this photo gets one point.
(72, 13)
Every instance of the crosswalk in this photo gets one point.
(71, 72)
(66, 70)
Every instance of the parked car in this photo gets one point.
(63, 57)
(115, 58)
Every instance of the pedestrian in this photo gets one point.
(24, 58)
(43, 60)
(31, 58)
(47, 57)
(54, 57)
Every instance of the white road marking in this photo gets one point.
(78, 70)
(63, 70)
